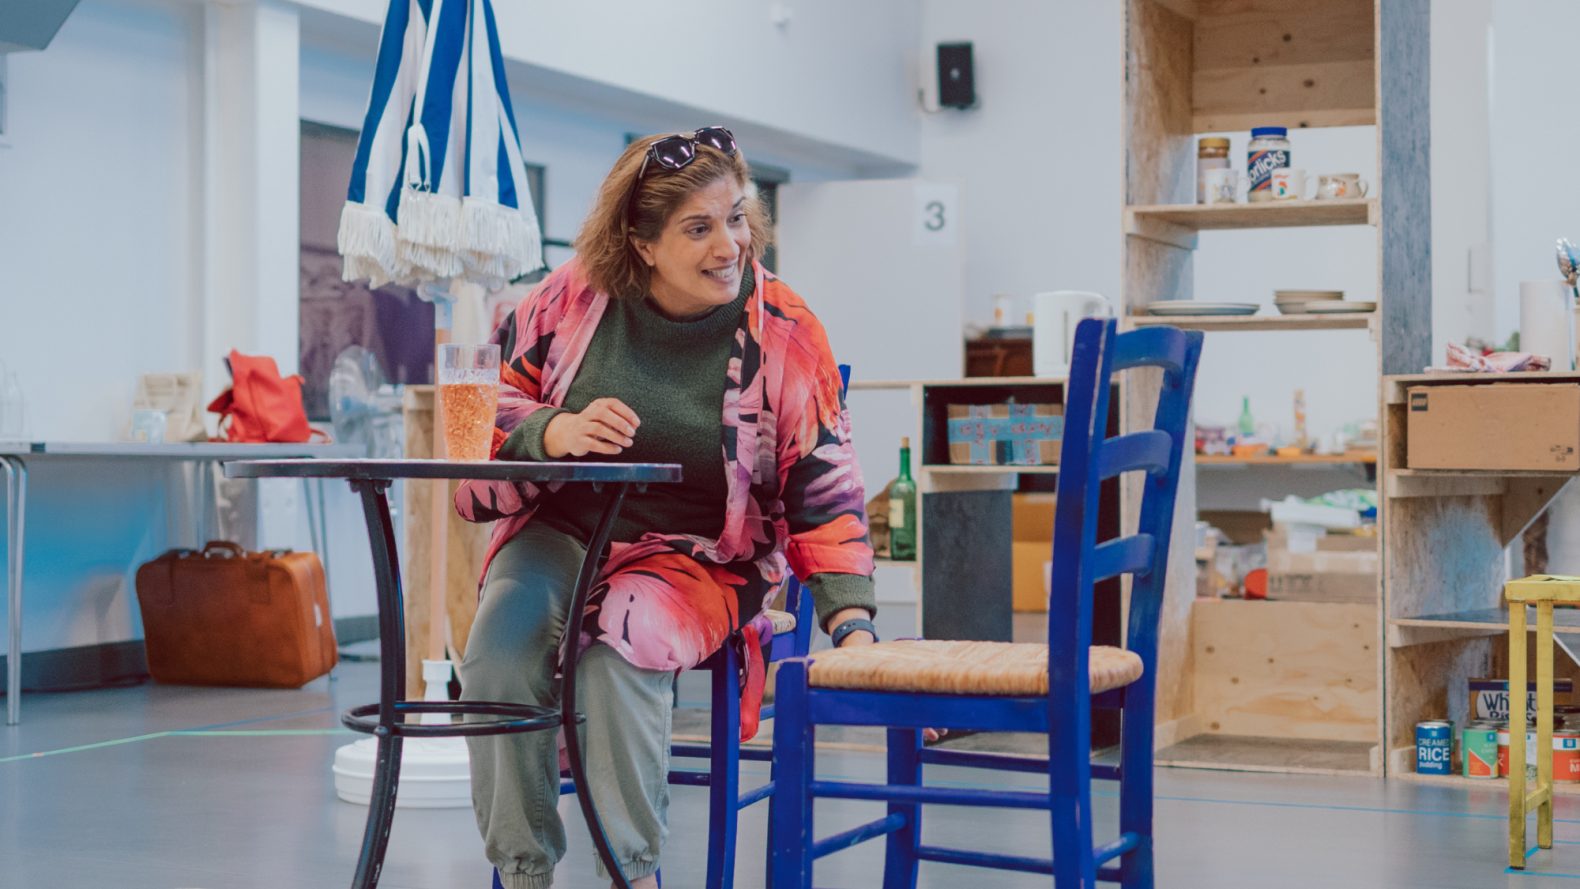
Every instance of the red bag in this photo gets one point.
(261, 406)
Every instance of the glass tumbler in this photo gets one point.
(468, 399)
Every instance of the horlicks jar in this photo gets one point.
(1268, 151)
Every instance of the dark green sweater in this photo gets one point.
(633, 357)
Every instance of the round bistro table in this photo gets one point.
(386, 720)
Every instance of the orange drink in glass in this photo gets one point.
(468, 399)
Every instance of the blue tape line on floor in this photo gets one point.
(1527, 873)
(202, 728)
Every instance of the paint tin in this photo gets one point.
(1478, 749)
(1566, 755)
(1434, 747)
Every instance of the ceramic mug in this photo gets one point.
(1340, 185)
(1221, 185)
(1289, 185)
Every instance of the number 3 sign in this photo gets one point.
(935, 215)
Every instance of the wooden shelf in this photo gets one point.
(1269, 214)
(863, 385)
(1273, 460)
(1404, 632)
(1000, 470)
(1482, 473)
(1345, 321)
(1244, 753)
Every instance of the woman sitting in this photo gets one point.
(664, 341)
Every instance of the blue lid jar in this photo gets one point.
(1275, 132)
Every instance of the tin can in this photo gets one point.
(1478, 749)
(1434, 747)
(1566, 755)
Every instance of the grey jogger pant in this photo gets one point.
(510, 657)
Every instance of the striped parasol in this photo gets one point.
(438, 187)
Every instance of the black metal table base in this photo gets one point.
(390, 727)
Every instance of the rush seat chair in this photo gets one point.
(994, 686)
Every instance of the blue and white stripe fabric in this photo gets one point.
(367, 239)
(439, 190)
(501, 240)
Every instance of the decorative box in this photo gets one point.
(1005, 434)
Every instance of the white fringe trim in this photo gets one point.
(429, 220)
(367, 240)
(490, 228)
(425, 263)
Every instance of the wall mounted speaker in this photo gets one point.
(956, 83)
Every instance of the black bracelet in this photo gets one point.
(853, 625)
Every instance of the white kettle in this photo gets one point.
(1054, 317)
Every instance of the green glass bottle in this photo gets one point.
(902, 510)
(1247, 424)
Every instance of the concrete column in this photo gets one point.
(251, 218)
(252, 135)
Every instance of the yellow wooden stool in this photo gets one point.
(1542, 591)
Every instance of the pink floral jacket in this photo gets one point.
(795, 492)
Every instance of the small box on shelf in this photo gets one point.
(1005, 434)
(1494, 426)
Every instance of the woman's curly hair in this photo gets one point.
(604, 243)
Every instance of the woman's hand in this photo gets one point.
(605, 427)
(862, 637)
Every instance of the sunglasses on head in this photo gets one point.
(677, 152)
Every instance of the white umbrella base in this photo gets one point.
(435, 773)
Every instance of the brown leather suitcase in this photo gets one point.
(225, 616)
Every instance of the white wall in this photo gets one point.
(96, 214)
(1461, 173)
(1039, 162)
(1535, 201)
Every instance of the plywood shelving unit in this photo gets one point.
(1443, 574)
(1286, 686)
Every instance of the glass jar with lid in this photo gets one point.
(1267, 151)
(1212, 153)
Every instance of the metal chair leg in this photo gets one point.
(392, 677)
(16, 545)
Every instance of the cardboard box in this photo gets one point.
(1005, 434)
(1494, 426)
(1032, 549)
(1489, 698)
(1341, 568)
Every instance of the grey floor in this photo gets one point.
(162, 787)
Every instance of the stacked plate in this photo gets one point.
(1298, 302)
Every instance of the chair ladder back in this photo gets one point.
(1088, 457)
(1177, 353)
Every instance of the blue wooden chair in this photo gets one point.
(988, 686)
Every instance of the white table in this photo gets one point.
(15, 455)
